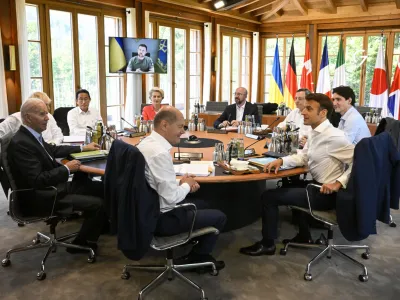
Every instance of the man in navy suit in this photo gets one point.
(33, 165)
(235, 113)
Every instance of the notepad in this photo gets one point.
(200, 170)
(97, 154)
(74, 139)
(262, 161)
(229, 128)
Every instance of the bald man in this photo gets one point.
(160, 174)
(33, 165)
(237, 112)
(52, 134)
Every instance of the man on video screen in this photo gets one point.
(141, 62)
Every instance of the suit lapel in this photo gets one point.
(233, 117)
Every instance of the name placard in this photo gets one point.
(189, 155)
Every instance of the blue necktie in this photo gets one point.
(40, 139)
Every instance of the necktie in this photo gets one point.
(40, 138)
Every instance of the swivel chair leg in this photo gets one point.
(362, 277)
(152, 283)
(191, 283)
(6, 261)
(41, 275)
(314, 260)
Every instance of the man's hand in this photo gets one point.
(194, 186)
(73, 165)
(329, 188)
(303, 141)
(276, 164)
(91, 147)
(235, 123)
(138, 70)
(224, 123)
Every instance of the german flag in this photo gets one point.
(291, 79)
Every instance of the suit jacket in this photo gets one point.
(32, 167)
(132, 205)
(230, 113)
(391, 126)
(372, 190)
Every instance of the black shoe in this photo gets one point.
(298, 239)
(91, 245)
(193, 258)
(258, 249)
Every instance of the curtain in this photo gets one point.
(23, 49)
(207, 63)
(254, 71)
(3, 91)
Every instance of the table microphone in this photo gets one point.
(274, 122)
(260, 139)
(128, 122)
(179, 161)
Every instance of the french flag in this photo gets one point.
(394, 96)
(324, 83)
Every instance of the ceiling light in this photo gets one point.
(219, 4)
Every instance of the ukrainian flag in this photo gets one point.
(276, 87)
(117, 56)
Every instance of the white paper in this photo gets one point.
(200, 170)
(229, 128)
(74, 139)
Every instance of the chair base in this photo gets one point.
(169, 271)
(51, 243)
(328, 247)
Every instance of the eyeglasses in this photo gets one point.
(84, 100)
(238, 94)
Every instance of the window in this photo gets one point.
(236, 65)
(114, 81)
(182, 84)
(396, 54)
(284, 45)
(34, 47)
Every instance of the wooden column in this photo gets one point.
(213, 83)
(313, 38)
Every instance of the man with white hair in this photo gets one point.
(33, 165)
(52, 134)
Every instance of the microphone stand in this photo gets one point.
(262, 138)
(179, 161)
(134, 127)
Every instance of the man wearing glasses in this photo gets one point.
(82, 116)
(235, 113)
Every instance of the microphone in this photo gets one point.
(229, 117)
(179, 161)
(253, 152)
(278, 118)
(260, 139)
(128, 122)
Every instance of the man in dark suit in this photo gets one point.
(33, 165)
(235, 113)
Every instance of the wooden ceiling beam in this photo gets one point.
(331, 6)
(301, 6)
(397, 3)
(243, 4)
(277, 7)
(364, 5)
(279, 13)
(264, 10)
(254, 6)
(204, 1)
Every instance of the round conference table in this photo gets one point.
(238, 196)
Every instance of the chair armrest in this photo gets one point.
(193, 207)
(308, 198)
(10, 199)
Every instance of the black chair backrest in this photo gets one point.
(216, 106)
(143, 105)
(60, 115)
(260, 112)
(269, 108)
(1, 120)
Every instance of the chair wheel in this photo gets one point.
(214, 272)
(283, 252)
(365, 255)
(5, 262)
(21, 224)
(307, 277)
(35, 241)
(319, 242)
(91, 259)
(41, 276)
(363, 278)
(125, 275)
(393, 224)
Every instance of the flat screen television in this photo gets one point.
(132, 55)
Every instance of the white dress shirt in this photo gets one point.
(328, 154)
(240, 111)
(52, 134)
(297, 118)
(78, 120)
(354, 126)
(159, 171)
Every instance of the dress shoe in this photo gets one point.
(258, 249)
(193, 258)
(91, 245)
(298, 239)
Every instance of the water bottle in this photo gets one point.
(240, 148)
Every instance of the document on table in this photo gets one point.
(74, 139)
(230, 128)
(260, 162)
(200, 170)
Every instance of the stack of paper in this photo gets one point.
(74, 139)
(230, 128)
(262, 161)
(89, 155)
(200, 170)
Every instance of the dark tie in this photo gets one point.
(40, 138)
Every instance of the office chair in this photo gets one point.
(168, 243)
(60, 115)
(327, 244)
(19, 215)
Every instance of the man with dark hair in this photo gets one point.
(141, 62)
(160, 175)
(296, 117)
(82, 116)
(329, 157)
(237, 112)
(351, 121)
